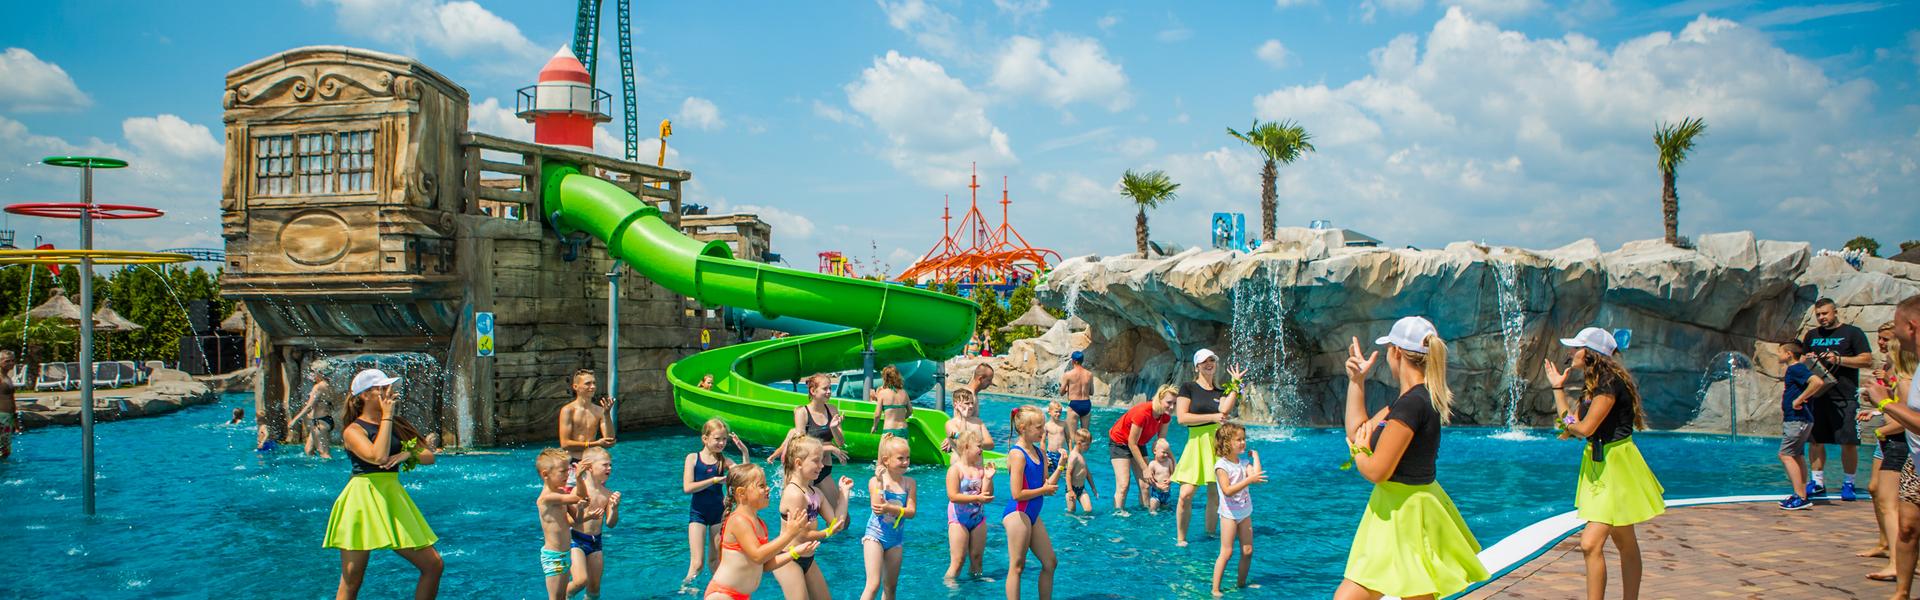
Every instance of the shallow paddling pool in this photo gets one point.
(187, 509)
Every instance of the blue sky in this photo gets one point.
(1510, 121)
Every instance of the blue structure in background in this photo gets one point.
(1230, 231)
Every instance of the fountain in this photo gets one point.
(1072, 302)
(1258, 342)
(1513, 325)
(1728, 371)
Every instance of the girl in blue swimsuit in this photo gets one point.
(1027, 476)
(893, 496)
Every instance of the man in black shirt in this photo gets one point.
(1842, 350)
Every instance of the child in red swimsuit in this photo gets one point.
(746, 554)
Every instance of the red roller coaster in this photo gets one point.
(992, 256)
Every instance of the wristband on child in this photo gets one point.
(791, 553)
(1883, 403)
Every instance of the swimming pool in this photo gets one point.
(187, 509)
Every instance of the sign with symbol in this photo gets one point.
(483, 333)
(706, 339)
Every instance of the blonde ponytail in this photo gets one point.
(1436, 371)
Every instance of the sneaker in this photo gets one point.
(1795, 503)
(1846, 492)
(1815, 490)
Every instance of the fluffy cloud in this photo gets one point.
(1273, 53)
(1794, 15)
(173, 165)
(34, 85)
(930, 27)
(457, 28)
(785, 224)
(1061, 71)
(935, 125)
(701, 113)
(1552, 135)
(833, 113)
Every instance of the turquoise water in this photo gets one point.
(187, 509)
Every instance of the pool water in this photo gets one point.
(187, 509)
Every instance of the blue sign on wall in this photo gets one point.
(1230, 231)
(483, 333)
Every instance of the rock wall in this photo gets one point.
(1302, 299)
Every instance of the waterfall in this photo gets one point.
(1513, 322)
(1258, 342)
(1072, 302)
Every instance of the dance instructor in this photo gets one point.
(374, 512)
(1616, 489)
(1202, 408)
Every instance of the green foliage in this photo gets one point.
(993, 316)
(1277, 141)
(141, 294)
(1909, 245)
(1149, 189)
(50, 336)
(1675, 140)
(951, 288)
(1864, 244)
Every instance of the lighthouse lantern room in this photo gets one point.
(563, 106)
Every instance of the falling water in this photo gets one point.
(419, 388)
(1734, 369)
(1513, 322)
(1072, 302)
(1258, 343)
(165, 282)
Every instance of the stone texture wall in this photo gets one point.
(1686, 307)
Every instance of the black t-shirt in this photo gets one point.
(1844, 341)
(1202, 401)
(1618, 424)
(1415, 410)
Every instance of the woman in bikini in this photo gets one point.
(891, 408)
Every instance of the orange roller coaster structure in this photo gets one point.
(993, 256)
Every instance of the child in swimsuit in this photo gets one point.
(1026, 474)
(802, 498)
(745, 552)
(595, 466)
(1079, 478)
(966, 417)
(969, 488)
(556, 519)
(1055, 444)
(893, 495)
(1160, 476)
(701, 478)
(1236, 501)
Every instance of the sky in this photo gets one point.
(845, 124)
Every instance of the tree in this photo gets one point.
(993, 316)
(1280, 143)
(1909, 245)
(1674, 141)
(1864, 244)
(1147, 190)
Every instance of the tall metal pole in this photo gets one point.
(86, 341)
(613, 345)
(940, 385)
(1733, 398)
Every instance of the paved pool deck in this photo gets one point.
(1730, 550)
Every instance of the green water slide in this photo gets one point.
(905, 323)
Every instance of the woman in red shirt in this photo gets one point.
(1131, 436)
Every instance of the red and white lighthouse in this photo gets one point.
(563, 106)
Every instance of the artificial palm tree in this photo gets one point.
(1147, 190)
(1674, 142)
(1280, 143)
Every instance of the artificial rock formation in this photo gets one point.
(1301, 300)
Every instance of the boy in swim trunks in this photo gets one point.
(556, 520)
(1079, 478)
(1160, 476)
(1055, 444)
(583, 424)
(595, 466)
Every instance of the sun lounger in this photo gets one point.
(53, 376)
(131, 372)
(106, 374)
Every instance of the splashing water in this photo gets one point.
(1258, 343)
(166, 282)
(1072, 303)
(1513, 324)
(1734, 369)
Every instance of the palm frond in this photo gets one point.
(1278, 141)
(1149, 189)
(1675, 140)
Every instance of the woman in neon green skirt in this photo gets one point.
(1201, 406)
(1411, 541)
(1616, 489)
(374, 512)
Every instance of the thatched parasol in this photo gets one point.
(1035, 317)
(1075, 323)
(57, 306)
(107, 319)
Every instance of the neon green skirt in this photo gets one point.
(375, 513)
(1620, 490)
(1412, 542)
(1196, 460)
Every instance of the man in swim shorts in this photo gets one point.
(9, 412)
(1077, 385)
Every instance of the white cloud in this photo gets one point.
(935, 125)
(1368, 8)
(701, 113)
(173, 165)
(1106, 23)
(1794, 15)
(1136, 146)
(1477, 123)
(833, 113)
(785, 224)
(1063, 70)
(1273, 53)
(34, 85)
(1497, 10)
(1021, 9)
(930, 27)
(1173, 33)
(456, 28)
(168, 135)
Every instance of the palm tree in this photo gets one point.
(1147, 190)
(1280, 143)
(1674, 142)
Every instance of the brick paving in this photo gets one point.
(1746, 550)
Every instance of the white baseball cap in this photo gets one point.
(1201, 355)
(1410, 334)
(371, 378)
(1593, 338)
